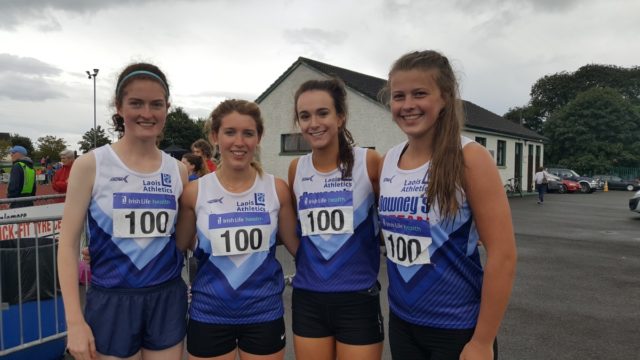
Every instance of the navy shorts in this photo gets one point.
(124, 321)
(352, 318)
(210, 340)
(415, 342)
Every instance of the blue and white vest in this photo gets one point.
(131, 221)
(339, 247)
(435, 275)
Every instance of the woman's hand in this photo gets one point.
(475, 350)
(80, 341)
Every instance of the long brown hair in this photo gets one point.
(446, 171)
(242, 107)
(335, 88)
(199, 167)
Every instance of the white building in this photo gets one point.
(518, 151)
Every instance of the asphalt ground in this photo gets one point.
(577, 288)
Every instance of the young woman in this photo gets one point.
(195, 166)
(238, 210)
(128, 192)
(336, 303)
(440, 194)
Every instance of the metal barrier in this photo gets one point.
(32, 321)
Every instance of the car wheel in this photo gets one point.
(629, 187)
(562, 189)
(585, 188)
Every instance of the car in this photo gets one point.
(561, 186)
(634, 202)
(587, 184)
(618, 183)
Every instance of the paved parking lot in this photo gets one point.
(577, 291)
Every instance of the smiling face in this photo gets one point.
(416, 102)
(237, 139)
(144, 108)
(318, 120)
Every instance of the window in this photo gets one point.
(481, 140)
(293, 144)
(501, 153)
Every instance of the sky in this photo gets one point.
(217, 49)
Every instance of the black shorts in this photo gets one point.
(124, 321)
(353, 318)
(415, 342)
(209, 340)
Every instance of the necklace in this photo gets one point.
(236, 186)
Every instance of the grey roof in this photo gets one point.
(477, 118)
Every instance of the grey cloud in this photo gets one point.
(225, 95)
(26, 65)
(314, 41)
(493, 6)
(25, 88)
(41, 12)
(308, 36)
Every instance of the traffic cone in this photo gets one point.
(606, 186)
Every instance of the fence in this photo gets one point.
(32, 321)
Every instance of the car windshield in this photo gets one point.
(573, 173)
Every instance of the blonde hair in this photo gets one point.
(242, 107)
(446, 171)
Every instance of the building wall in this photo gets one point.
(507, 171)
(369, 122)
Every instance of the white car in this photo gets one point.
(634, 202)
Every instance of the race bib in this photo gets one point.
(140, 215)
(326, 213)
(407, 240)
(239, 233)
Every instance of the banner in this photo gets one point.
(30, 229)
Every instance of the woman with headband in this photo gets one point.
(128, 192)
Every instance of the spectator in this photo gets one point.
(22, 182)
(195, 166)
(203, 149)
(61, 177)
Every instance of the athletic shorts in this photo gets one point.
(352, 318)
(124, 321)
(209, 340)
(415, 342)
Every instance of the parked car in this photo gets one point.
(634, 202)
(618, 183)
(587, 184)
(561, 186)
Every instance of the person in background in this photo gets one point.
(195, 166)
(541, 183)
(203, 149)
(22, 181)
(61, 176)
(440, 194)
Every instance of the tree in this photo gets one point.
(5, 145)
(596, 131)
(180, 130)
(528, 116)
(51, 146)
(552, 92)
(22, 141)
(86, 143)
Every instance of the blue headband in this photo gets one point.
(138, 73)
